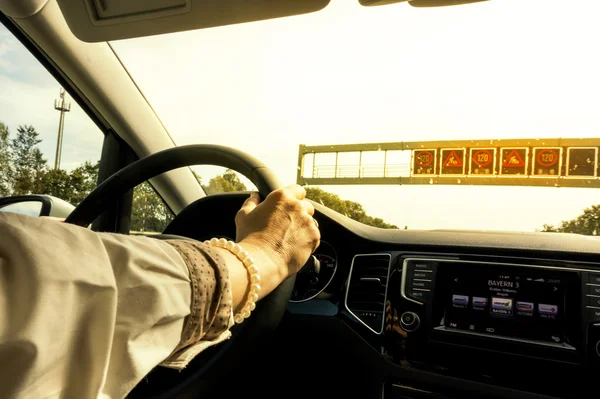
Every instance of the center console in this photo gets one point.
(514, 324)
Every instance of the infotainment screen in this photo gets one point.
(510, 301)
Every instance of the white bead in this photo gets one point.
(229, 245)
(245, 313)
(238, 318)
(243, 255)
(253, 297)
(222, 242)
(255, 288)
(252, 306)
(214, 241)
(236, 249)
(252, 270)
(249, 262)
(207, 242)
(254, 278)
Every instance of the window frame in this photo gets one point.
(115, 153)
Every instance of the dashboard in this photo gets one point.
(508, 313)
(437, 314)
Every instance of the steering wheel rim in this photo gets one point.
(270, 310)
(153, 165)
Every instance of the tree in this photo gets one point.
(25, 171)
(351, 209)
(55, 182)
(83, 180)
(72, 187)
(229, 181)
(225, 183)
(5, 161)
(588, 223)
(27, 160)
(149, 212)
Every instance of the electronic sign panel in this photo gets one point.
(424, 162)
(452, 161)
(514, 161)
(582, 161)
(482, 161)
(547, 161)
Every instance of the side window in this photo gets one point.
(149, 214)
(48, 145)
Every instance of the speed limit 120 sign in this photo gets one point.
(424, 162)
(483, 161)
(547, 161)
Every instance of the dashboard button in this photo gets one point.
(417, 265)
(408, 318)
(594, 314)
(419, 294)
(425, 274)
(420, 283)
(593, 300)
(594, 278)
(409, 321)
(593, 289)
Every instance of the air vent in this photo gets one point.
(367, 289)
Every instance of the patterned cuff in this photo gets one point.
(211, 304)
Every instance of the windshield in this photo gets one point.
(348, 74)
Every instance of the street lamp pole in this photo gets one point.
(62, 105)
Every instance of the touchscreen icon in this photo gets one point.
(548, 310)
(479, 302)
(525, 308)
(502, 306)
(460, 300)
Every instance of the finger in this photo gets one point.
(314, 233)
(297, 191)
(251, 203)
(308, 207)
(317, 242)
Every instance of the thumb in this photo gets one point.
(251, 203)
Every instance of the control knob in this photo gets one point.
(409, 321)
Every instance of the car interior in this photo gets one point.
(375, 313)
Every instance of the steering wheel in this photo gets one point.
(215, 362)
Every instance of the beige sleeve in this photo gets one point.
(86, 315)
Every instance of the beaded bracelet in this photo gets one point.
(248, 263)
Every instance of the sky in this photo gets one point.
(350, 74)
(27, 94)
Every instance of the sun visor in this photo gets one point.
(104, 20)
(419, 3)
(21, 8)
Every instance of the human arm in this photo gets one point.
(83, 314)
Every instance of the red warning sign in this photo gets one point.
(452, 161)
(514, 161)
(424, 162)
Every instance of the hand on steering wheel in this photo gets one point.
(282, 226)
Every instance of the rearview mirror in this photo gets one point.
(36, 205)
